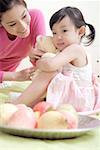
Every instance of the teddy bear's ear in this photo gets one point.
(39, 38)
(49, 44)
(39, 43)
(45, 44)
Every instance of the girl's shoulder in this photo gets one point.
(77, 50)
(77, 47)
(79, 54)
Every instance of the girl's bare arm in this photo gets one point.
(69, 54)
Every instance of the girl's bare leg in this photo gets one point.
(36, 89)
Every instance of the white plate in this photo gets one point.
(86, 124)
(93, 112)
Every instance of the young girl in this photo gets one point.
(19, 28)
(74, 84)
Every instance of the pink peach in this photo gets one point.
(23, 118)
(42, 107)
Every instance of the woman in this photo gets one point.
(19, 28)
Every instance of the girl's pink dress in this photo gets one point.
(76, 86)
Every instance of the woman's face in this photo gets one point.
(16, 21)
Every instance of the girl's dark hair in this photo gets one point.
(77, 18)
(5, 5)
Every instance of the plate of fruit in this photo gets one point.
(44, 122)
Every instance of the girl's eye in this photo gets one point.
(65, 30)
(54, 33)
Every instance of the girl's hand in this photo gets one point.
(24, 75)
(46, 64)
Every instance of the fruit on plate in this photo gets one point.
(52, 120)
(42, 107)
(66, 107)
(6, 111)
(37, 114)
(24, 117)
(64, 117)
(70, 114)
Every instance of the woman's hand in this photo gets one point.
(34, 55)
(24, 75)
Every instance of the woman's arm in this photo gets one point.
(22, 75)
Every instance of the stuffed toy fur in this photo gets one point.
(45, 44)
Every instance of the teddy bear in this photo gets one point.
(45, 44)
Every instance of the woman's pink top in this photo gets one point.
(12, 52)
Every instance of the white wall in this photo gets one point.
(90, 10)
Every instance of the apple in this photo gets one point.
(52, 120)
(70, 115)
(6, 111)
(67, 107)
(24, 117)
(64, 117)
(37, 114)
(42, 107)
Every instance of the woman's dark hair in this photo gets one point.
(5, 5)
(77, 18)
